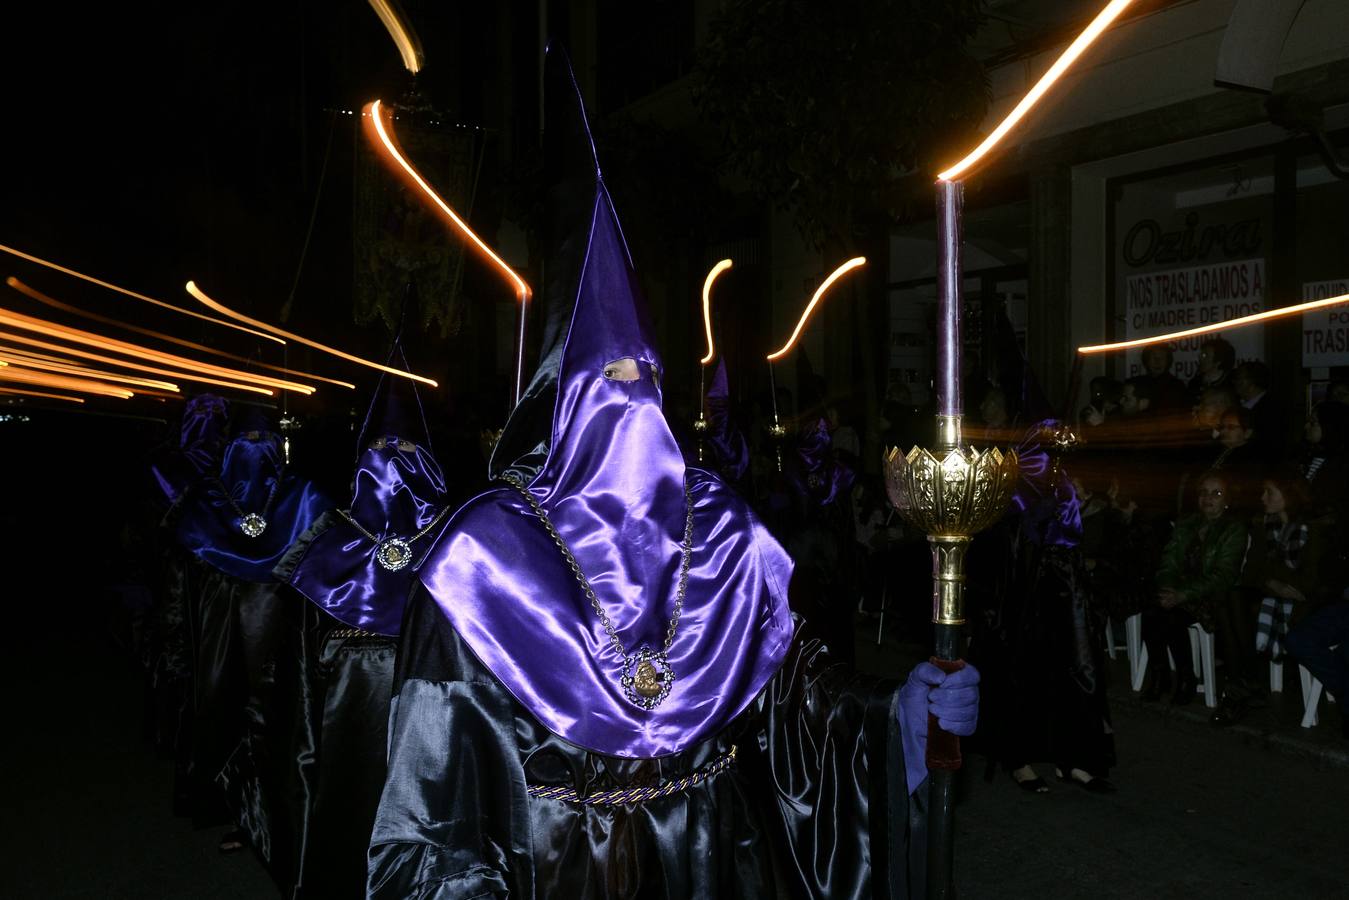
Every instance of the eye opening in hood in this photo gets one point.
(623, 369)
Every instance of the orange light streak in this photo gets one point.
(383, 136)
(1069, 56)
(89, 339)
(191, 345)
(22, 393)
(835, 275)
(224, 310)
(1239, 322)
(707, 305)
(19, 359)
(404, 38)
(139, 367)
(82, 385)
(121, 290)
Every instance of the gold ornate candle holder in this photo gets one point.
(951, 494)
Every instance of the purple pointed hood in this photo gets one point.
(398, 490)
(609, 475)
(252, 479)
(202, 432)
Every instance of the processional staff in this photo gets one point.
(954, 491)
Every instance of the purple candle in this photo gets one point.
(950, 403)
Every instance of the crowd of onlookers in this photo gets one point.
(1218, 502)
(1221, 501)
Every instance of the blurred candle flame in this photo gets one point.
(224, 310)
(1239, 322)
(834, 276)
(121, 290)
(707, 305)
(1069, 56)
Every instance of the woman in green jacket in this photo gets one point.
(1200, 565)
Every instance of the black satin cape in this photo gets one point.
(815, 804)
(327, 735)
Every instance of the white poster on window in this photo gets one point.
(1325, 332)
(1178, 299)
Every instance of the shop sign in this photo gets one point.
(1177, 299)
(1325, 332)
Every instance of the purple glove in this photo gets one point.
(954, 701)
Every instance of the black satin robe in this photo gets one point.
(170, 671)
(233, 626)
(1036, 642)
(815, 804)
(329, 731)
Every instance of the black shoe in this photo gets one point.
(1155, 684)
(1184, 692)
(1092, 785)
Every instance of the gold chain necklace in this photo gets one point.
(643, 683)
(394, 553)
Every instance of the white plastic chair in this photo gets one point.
(1201, 652)
(1312, 691)
(1133, 645)
(1201, 649)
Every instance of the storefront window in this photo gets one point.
(1323, 267)
(1192, 248)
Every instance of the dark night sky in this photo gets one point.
(150, 146)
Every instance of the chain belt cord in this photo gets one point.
(622, 796)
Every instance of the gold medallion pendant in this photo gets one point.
(647, 677)
(394, 554)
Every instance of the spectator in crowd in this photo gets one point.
(1269, 419)
(1217, 358)
(1136, 396)
(1213, 402)
(1105, 397)
(1325, 455)
(1236, 440)
(1325, 466)
(1168, 391)
(1280, 582)
(1226, 431)
(1321, 643)
(1200, 564)
(1283, 564)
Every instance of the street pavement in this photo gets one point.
(1256, 811)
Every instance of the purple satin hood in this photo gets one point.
(1044, 495)
(208, 525)
(396, 493)
(500, 579)
(824, 477)
(612, 482)
(205, 417)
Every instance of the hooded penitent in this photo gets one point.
(205, 418)
(601, 468)
(725, 442)
(398, 498)
(244, 519)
